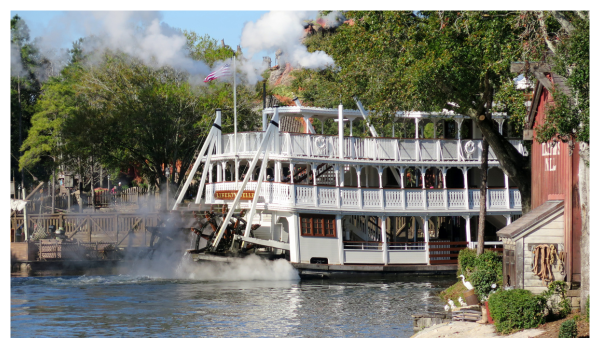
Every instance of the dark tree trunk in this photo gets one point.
(482, 196)
(515, 165)
(53, 187)
(92, 186)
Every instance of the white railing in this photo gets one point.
(363, 245)
(406, 246)
(435, 199)
(456, 198)
(487, 245)
(399, 246)
(347, 198)
(376, 149)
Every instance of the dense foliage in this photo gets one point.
(482, 271)
(569, 117)
(516, 309)
(559, 305)
(568, 329)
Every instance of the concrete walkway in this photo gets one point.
(470, 329)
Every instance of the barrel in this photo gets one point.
(470, 297)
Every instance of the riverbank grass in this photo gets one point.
(454, 292)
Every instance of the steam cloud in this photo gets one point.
(334, 19)
(251, 268)
(283, 30)
(143, 36)
(139, 34)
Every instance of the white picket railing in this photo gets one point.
(348, 198)
(376, 149)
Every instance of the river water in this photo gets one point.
(253, 298)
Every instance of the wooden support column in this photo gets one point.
(424, 190)
(446, 197)
(237, 170)
(468, 229)
(340, 237)
(466, 186)
(360, 195)
(381, 192)
(315, 188)
(507, 191)
(426, 236)
(384, 241)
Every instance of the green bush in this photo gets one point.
(466, 262)
(516, 309)
(488, 271)
(568, 329)
(482, 271)
(562, 307)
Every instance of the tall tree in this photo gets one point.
(25, 89)
(422, 61)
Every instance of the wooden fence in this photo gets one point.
(120, 228)
(140, 197)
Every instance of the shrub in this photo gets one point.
(516, 309)
(482, 280)
(562, 307)
(488, 271)
(568, 329)
(466, 262)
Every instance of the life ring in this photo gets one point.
(470, 147)
(320, 142)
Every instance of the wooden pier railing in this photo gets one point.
(120, 228)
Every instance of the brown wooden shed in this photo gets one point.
(554, 173)
(542, 226)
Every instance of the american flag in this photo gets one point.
(223, 71)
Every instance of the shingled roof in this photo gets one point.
(531, 220)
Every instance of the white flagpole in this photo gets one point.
(234, 111)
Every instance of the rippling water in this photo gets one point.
(212, 301)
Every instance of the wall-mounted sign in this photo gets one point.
(247, 195)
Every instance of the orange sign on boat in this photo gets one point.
(247, 195)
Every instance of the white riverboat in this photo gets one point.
(345, 203)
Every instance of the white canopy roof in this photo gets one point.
(354, 113)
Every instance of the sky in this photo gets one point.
(218, 25)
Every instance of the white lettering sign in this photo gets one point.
(552, 149)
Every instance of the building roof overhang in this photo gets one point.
(532, 220)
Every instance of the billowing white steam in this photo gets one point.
(283, 30)
(334, 19)
(251, 268)
(139, 34)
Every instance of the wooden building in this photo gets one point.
(555, 216)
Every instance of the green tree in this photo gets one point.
(404, 60)
(206, 49)
(24, 92)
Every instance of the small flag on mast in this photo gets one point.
(223, 71)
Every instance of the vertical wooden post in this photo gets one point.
(89, 224)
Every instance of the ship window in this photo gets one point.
(318, 225)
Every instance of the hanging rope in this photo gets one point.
(543, 258)
(562, 256)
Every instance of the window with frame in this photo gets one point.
(317, 225)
